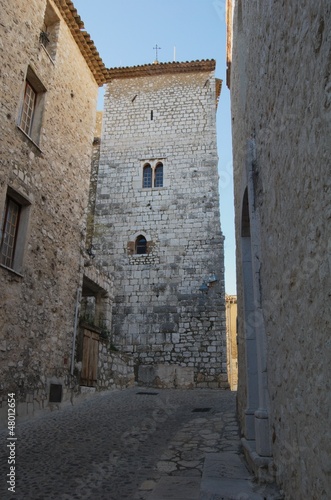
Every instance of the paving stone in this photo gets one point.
(189, 464)
(121, 446)
(177, 488)
(228, 489)
(147, 485)
(166, 466)
(225, 465)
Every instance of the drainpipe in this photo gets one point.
(75, 331)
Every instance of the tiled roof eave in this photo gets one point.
(218, 89)
(83, 40)
(161, 68)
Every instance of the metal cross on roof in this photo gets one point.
(156, 48)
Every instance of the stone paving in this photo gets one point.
(134, 444)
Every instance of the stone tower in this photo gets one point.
(157, 221)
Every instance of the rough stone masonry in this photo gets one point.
(44, 173)
(157, 221)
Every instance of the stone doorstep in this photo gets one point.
(176, 488)
(225, 476)
(228, 465)
(260, 466)
(84, 389)
(228, 489)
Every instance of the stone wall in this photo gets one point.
(116, 369)
(281, 105)
(51, 174)
(159, 313)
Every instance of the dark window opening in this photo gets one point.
(201, 410)
(158, 179)
(55, 393)
(245, 222)
(141, 245)
(152, 115)
(147, 176)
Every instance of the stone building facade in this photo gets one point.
(50, 74)
(279, 64)
(157, 221)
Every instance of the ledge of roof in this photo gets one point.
(218, 84)
(83, 40)
(158, 68)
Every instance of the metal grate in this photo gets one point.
(148, 393)
(55, 393)
(201, 410)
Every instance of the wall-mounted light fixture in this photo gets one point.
(91, 252)
(207, 283)
(44, 38)
(204, 288)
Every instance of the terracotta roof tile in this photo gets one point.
(160, 68)
(83, 40)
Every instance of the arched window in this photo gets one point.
(147, 176)
(141, 245)
(158, 176)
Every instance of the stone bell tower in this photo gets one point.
(157, 221)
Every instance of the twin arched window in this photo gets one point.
(153, 176)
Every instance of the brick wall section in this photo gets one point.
(37, 308)
(281, 99)
(159, 314)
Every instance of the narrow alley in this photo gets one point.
(134, 444)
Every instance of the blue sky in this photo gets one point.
(125, 32)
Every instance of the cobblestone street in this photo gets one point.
(135, 444)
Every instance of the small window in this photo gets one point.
(158, 175)
(29, 104)
(9, 227)
(32, 106)
(13, 229)
(141, 245)
(147, 176)
(49, 32)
